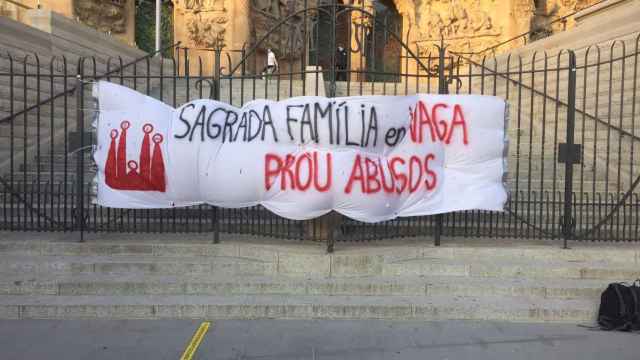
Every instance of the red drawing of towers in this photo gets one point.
(148, 174)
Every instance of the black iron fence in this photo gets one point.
(573, 167)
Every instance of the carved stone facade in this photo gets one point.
(205, 21)
(466, 25)
(203, 25)
(470, 25)
(116, 17)
(288, 38)
(105, 16)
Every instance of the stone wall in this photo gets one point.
(207, 24)
(468, 25)
(116, 17)
(474, 25)
(202, 25)
(52, 34)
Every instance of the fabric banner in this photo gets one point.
(371, 158)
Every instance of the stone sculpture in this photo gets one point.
(106, 16)
(205, 20)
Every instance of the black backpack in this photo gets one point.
(620, 307)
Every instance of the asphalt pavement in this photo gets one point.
(308, 339)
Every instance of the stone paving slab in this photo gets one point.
(297, 307)
(295, 264)
(137, 284)
(310, 339)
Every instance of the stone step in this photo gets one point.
(103, 62)
(30, 83)
(45, 110)
(128, 265)
(536, 78)
(515, 269)
(517, 87)
(297, 307)
(18, 93)
(31, 129)
(351, 261)
(167, 265)
(579, 43)
(523, 92)
(131, 285)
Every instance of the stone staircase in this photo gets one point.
(152, 276)
(604, 122)
(156, 279)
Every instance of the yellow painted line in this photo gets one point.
(195, 341)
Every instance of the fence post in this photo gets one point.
(330, 240)
(216, 226)
(443, 88)
(570, 154)
(330, 220)
(186, 63)
(216, 73)
(79, 210)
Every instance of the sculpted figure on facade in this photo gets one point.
(455, 20)
(105, 16)
(208, 34)
(204, 5)
(205, 20)
(466, 25)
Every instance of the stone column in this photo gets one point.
(407, 10)
(240, 31)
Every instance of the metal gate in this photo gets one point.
(573, 171)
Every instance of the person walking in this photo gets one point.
(341, 63)
(272, 63)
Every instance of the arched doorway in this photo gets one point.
(382, 49)
(373, 52)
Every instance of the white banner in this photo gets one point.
(371, 158)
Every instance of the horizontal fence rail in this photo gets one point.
(572, 159)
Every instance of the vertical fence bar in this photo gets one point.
(79, 153)
(10, 191)
(216, 96)
(567, 222)
(328, 223)
(442, 89)
(332, 47)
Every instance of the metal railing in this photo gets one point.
(573, 167)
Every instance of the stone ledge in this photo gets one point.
(600, 9)
(53, 34)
